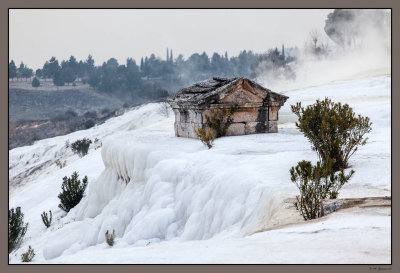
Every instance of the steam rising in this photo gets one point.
(364, 50)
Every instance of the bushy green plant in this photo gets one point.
(16, 228)
(316, 183)
(28, 256)
(97, 143)
(35, 82)
(72, 191)
(206, 137)
(81, 146)
(89, 123)
(110, 238)
(61, 164)
(46, 219)
(333, 130)
(220, 119)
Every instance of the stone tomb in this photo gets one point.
(257, 106)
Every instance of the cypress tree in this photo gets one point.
(167, 55)
(141, 64)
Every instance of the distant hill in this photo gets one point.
(48, 111)
(48, 101)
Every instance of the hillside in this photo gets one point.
(171, 200)
(49, 111)
(46, 102)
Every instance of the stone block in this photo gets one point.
(250, 128)
(236, 129)
(245, 116)
(272, 126)
(273, 113)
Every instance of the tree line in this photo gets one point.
(22, 72)
(156, 75)
(153, 77)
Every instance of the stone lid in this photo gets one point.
(208, 91)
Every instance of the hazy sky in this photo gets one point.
(37, 35)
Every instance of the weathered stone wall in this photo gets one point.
(246, 120)
(187, 122)
(273, 117)
(257, 113)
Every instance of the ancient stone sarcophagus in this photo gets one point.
(257, 106)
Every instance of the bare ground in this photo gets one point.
(287, 215)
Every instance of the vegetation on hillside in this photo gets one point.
(16, 228)
(72, 191)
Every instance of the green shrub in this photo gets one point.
(97, 143)
(35, 82)
(110, 238)
(16, 228)
(333, 130)
(28, 256)
(316, 183)
(206, 136)
(72, 191)
(61, 164)
(89, 123)
(46, 219)
(220, 120)
(81, 146)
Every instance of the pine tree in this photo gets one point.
(12, 70)
(89, 64)
(58, 79)
(20, 70)
(27, 72)
(53, 68)
(141, 64)
(39, 73)
(16, 228)
(72, 191)
(68, 75)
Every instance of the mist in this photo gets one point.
(365, 51)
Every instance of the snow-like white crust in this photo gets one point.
(156, 189)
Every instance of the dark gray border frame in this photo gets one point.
(5, 5)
